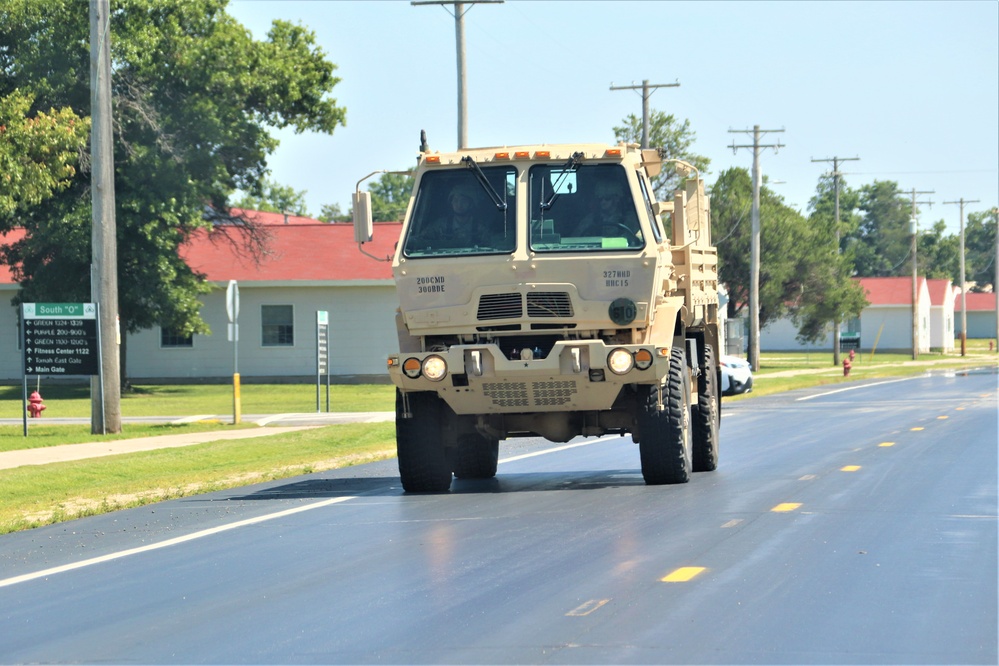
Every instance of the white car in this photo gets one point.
(736, 374)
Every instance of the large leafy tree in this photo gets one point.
(275, 198)
(194, 97)
(800, 268)
(881, 242)
(390, 197)
(980, 249)
(37, 152)
(674, 138)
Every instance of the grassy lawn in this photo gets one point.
(32, 496)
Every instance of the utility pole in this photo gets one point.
(754, 262)
(105, 415)
(914, 230)
(836, 174)
(964, 287)
(459, 38)
(647, 91)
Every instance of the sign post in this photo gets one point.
(60, 339)
(322, 354)
(232, 309)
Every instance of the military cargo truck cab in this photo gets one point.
(541, 294)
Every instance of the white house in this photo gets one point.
(942, 294)
(980, 312)
(309, 267)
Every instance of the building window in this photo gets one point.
(277, 325)
(171, 338)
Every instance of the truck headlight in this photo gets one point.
(434, 368)
(620, 361)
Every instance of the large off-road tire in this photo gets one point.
(665, 435)
(423, 463)
(475, 457)
(706, 416)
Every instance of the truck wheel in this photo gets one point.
(665, 435)
(476, 457)
(423, 464)
(706, 416)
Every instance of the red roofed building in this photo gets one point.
(886, 324)
(980, 311)
(308, 266)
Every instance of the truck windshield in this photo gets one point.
(593, 209)
(454, 214)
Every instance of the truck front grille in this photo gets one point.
(537, 394)
(500, 306)
(549, 304)
(540, 304)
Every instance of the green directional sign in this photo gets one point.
(60, 311)
(61, 339)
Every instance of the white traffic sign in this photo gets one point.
(232, 301)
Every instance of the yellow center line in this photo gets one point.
(916, 429)
(941, 418)
(849, 468)
(785, 507)
(886, 444)
(682, 575)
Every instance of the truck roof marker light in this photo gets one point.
(542, 154)
(522, 154)
(643, 359)
(501, 156)
(411, 368)
(433, 159)
(434, 368)
(613, 152)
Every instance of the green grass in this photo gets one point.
(32, 496)
(62, 400)
(41, 434)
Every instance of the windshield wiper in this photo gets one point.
(484, 182)
(569, 167)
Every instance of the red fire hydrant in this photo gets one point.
(846, 367)
(852, 355)
(35, 405)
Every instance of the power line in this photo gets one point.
(964, 287)
(836, 175)
(647, 91)
(754, 263)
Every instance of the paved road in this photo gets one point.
(853, 525)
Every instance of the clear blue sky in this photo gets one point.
(911, 88)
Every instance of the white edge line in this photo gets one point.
(556, 449)
(854, 388)
(242, 523)
(274, 417)
(169, 542)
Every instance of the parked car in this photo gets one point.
(736, 374)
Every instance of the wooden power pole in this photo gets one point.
(964, 287)
(105, 390)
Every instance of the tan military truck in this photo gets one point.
(542, 294)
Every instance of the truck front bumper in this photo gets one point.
(579, 375)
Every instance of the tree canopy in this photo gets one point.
(275, 198)
(674, 138)
(194, 96)
(37, 153)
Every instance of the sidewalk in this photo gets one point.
(70, 452)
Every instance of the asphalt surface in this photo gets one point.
(855, 524)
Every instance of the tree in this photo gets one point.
(980, 249)
(194, 96)
(674, 138)
(881, 243)
(801, 273)
(37, 153)
(274, 198)
(332, 213)
(390, 197)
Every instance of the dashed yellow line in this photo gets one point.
(785, 507)
(942, 417)
(849, 468)
(916, 429)
(682, 575)
(886, 444)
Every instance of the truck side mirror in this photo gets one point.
(363, 226)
